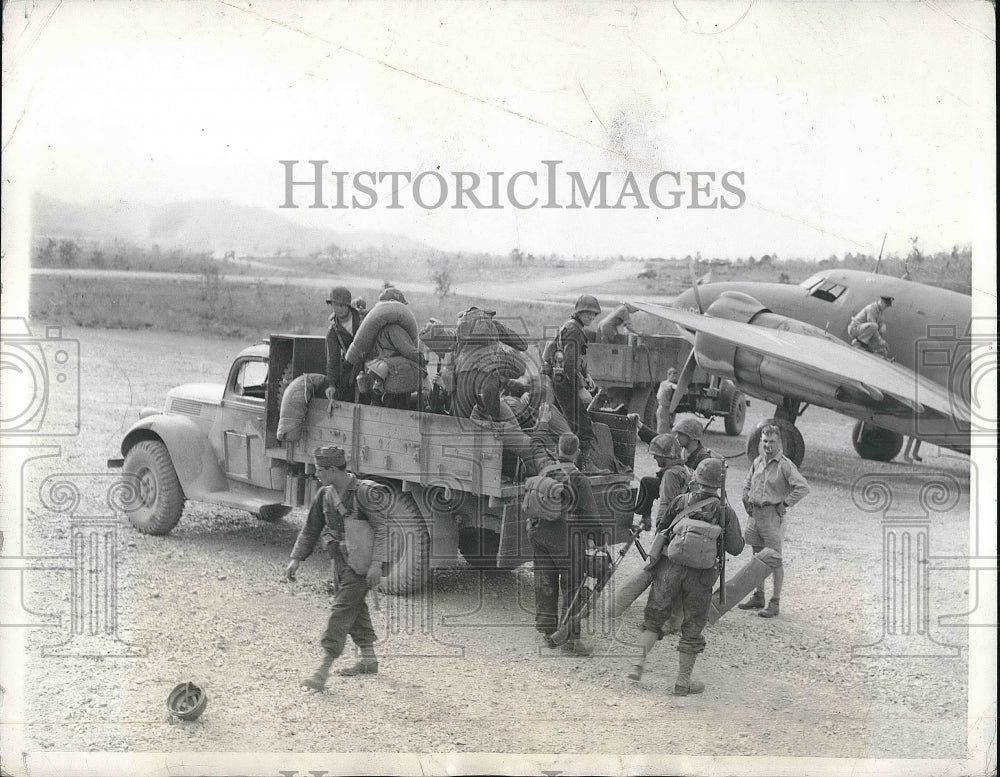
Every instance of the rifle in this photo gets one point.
(561, 635)
(724, 503)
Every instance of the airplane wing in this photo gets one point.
(866, 378)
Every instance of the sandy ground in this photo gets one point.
(461, 666)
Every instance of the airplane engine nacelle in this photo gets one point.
(741, 365)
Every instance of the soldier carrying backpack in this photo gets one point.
(686, 559)
(557, 504)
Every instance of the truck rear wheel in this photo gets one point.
(479, 547)
(159, 499)
(409, 550)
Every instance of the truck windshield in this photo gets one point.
(251, 379)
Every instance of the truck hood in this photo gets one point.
(205, 393)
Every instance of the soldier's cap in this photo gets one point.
(471, 308)
(887, 299)
(569, 445)
(339, 294)
(328, 456)
(391, 294)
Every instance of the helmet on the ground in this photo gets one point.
(665, 445)
(186, 701)
(709, 472)
(587, 304)
(689, 427)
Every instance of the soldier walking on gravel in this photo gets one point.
(684, 580)
(772, 486)
(355, 540)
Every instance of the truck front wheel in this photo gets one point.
(734, 406)
(159, 499)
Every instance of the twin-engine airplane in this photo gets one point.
(788, 345)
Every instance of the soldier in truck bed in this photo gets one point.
(566, 364)
(343, 324)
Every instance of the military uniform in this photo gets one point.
(355, 540)
(675, 584)
(338, 340)
(697, 456)
(480, 362)
(558, 550)
(572, 341)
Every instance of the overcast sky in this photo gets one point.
(847, 120)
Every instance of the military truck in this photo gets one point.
(449, 486)
(629, 371)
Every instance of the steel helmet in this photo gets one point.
(665, 445)
(186, 701)
(689, 427)
(587, 304)
(709, 472)
(339, 294)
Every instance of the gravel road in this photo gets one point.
(461, 666)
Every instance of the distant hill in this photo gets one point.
(200, 225)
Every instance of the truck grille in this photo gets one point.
(185, 406)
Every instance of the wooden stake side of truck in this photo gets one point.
(448, 487)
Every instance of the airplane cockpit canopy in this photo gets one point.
(821, 288)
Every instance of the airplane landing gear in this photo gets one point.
(874, 443)
(791, 440)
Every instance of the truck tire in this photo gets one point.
(479, 547)
(160, 499)
(734, 404)
(409, 548)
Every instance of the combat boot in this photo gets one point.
(577, 647)
(317, 680)
(755, 602)
(367, 664)
(684, 684)
(771, 610)
(646, 641)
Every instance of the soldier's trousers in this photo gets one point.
(649, 492)
(576, 413)
(558, 561)
(684, 587)
(349, 614)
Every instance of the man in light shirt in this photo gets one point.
(772, 486)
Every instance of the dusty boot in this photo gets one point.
(646, 641)
(367, 664)
(577, 647)
(771, 610)
(755, 602)
(684, 684)
(317, 680)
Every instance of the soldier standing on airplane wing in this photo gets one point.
(772, 486)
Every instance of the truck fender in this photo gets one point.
(190, 452)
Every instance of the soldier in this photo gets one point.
(868, 329)
(664, 395)
(676, 584)
(688, 432)
(343, 324)
(772, 486)
(566, 364)
(481, 363)
(558, 549)
(671, 478)
(355, 540)
(611, 325)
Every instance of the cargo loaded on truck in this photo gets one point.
(448, 486)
